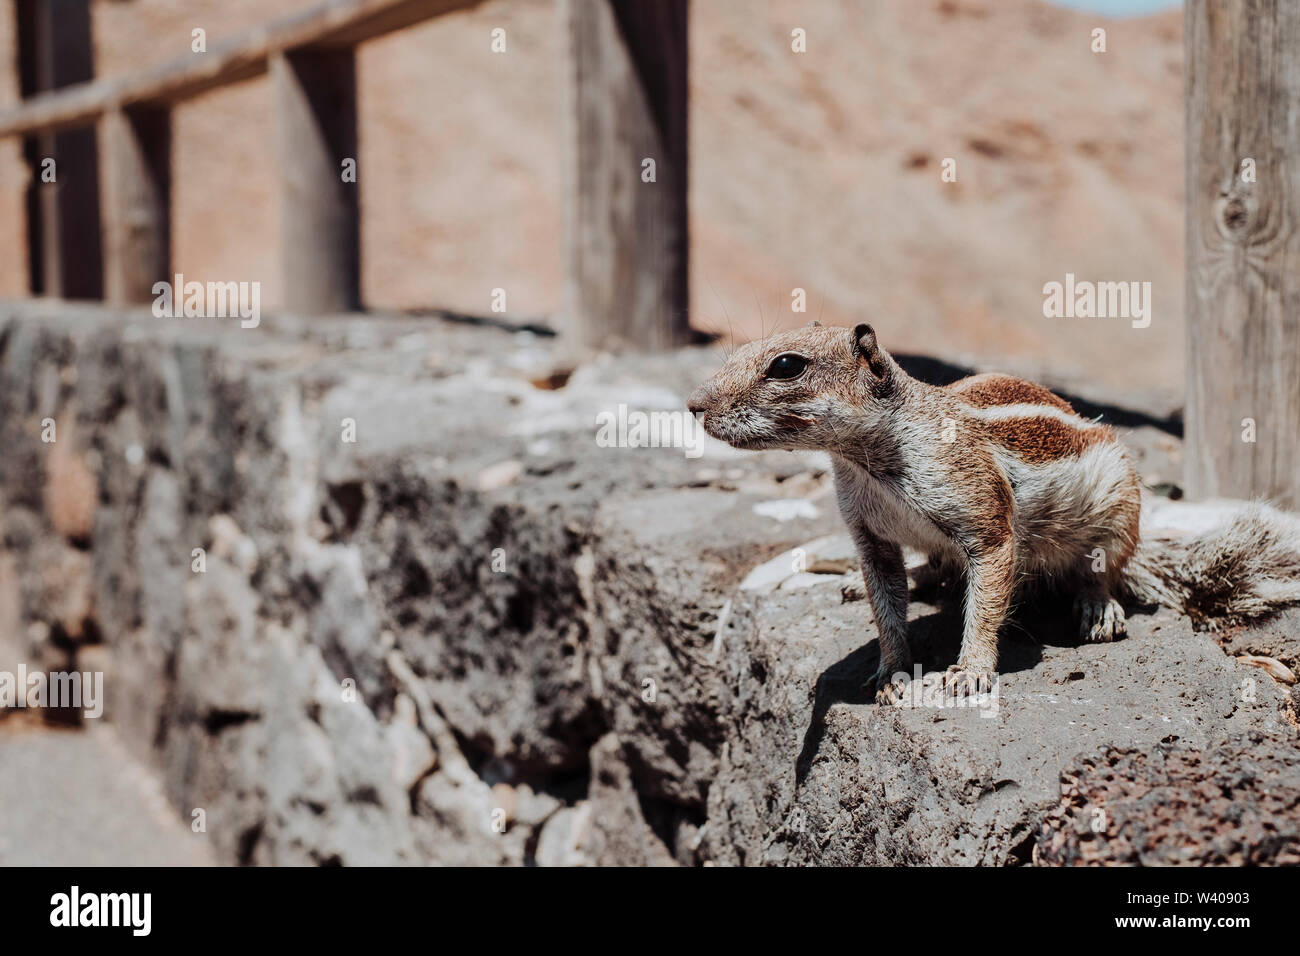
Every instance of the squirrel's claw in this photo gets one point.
(890, 694)
(959, 682)
(886, 691)
(1101, 620)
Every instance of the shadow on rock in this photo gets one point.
(935, 639)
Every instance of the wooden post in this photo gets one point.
(1243, 249)
(315, 114)
(625, 238)
(57, 51)
(137, 224)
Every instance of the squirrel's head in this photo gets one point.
(813, 388)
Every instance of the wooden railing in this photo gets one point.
(625, 95)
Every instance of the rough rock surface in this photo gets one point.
(372, 591)
(1234, 804)
(815, 773)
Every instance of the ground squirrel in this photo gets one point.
(996, 479)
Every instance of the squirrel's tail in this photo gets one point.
(1218, 562)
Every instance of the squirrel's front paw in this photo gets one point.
(888, 690)
(890, 693)
(1101, 620)
(958, 681)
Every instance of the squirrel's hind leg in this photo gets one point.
(1100, 616)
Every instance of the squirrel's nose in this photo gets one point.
(700, 401)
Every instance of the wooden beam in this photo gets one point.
(314, 103)
(625, 238)
(1243, 249)
(333, 24)
(137, 221)
(64, 165)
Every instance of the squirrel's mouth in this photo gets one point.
(748, 439)
(752, 444)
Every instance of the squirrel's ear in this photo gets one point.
(868, 352)
(814, 324)
(864, 341)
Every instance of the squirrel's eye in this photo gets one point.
(788, 365)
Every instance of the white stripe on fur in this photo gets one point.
(995, 413)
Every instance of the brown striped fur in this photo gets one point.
(994, 388)
(1038, 440)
